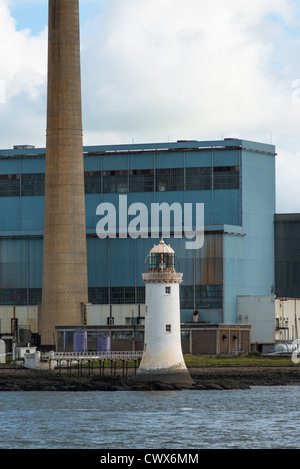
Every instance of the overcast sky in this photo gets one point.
(165, 70)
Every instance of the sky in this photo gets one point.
(165, 70)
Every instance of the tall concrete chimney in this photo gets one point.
(64, 259)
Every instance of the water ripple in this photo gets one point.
(261, 417)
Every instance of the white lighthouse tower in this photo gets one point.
(162, 358)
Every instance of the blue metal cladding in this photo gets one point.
(249, 257)
(21, 262)
(124, 272)
(33, 165)
(234, 179)
(226, 207)
(32, 214)
(98, 260)
(10, 215)
(136, 162)
(287, 255)
(226, 158)
(195, 159)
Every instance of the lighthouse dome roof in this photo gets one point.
(162, 247)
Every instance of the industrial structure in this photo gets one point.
(64, 287)
(234, 179)
(162, 358)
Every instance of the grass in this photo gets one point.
(242, 360)
(252, 359)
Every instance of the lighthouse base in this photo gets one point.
(164, 375)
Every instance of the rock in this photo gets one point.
(199, 387)
(213, 378)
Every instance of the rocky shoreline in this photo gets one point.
(205, 378)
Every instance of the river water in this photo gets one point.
(258, 418)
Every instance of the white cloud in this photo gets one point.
(287, 182)
(156, 70)
(189, 68)
(23, 82)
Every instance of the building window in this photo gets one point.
(167, 290)
(10, 185)
(226, 177)
(140, 293)
(98, 295)
(34, 296)
(201, 297)
(122, 295)
(139, 335)
(141, 180)
(124, 181)
(110, 321)
(32, 184)
(15, 185)
(122, 335)
(92, 182)
(169, 179)
(198, 179)
(20, 296)
(168, 327)
(116, 295)
(115, 182)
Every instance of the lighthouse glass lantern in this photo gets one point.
(162, 358)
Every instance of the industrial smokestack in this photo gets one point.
(64, 259)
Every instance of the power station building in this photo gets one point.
(233, 179)
(287, 255)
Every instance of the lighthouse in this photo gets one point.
(162, 358)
